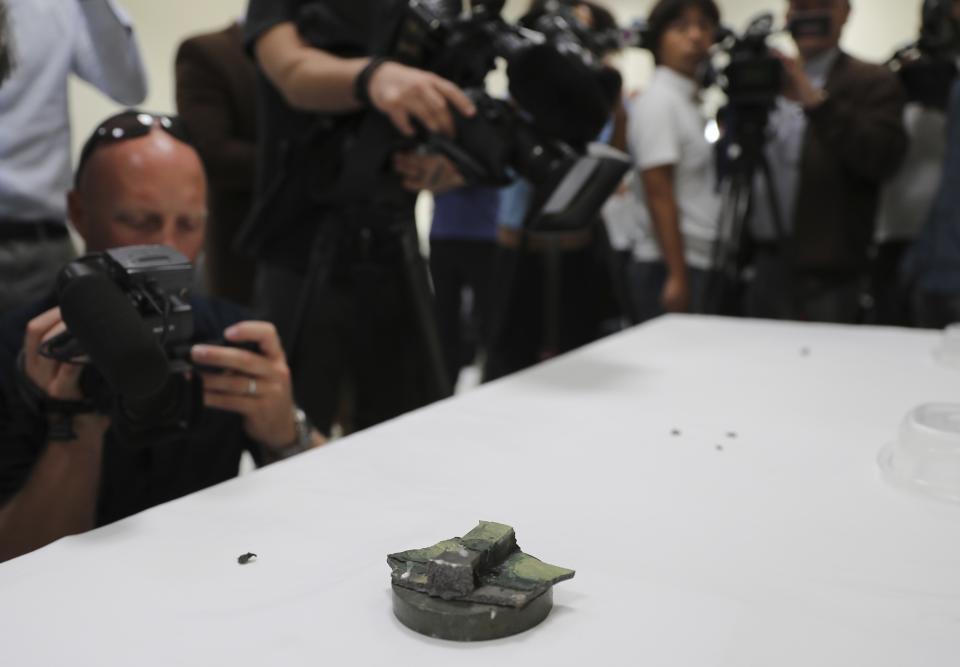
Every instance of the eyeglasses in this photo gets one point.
(130, 124)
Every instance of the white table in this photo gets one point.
(783, 547)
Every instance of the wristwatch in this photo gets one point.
(304, 439)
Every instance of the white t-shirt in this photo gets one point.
(667, 127)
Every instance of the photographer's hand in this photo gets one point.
(675, 297)
(432, 172)
(59, 497)
(797, 86)
(404, 93)
(256, 386)
(59, 381)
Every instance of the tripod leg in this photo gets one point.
(552, 258)
(418, 287)
(318, 271)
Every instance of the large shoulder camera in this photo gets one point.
(753, 77)
(561, 97)
(928, 67)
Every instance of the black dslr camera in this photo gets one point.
(928, 67)
(155, 282)
(129, 321)
(561, 98)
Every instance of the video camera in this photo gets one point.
(928, 67)
(753, 77)
(561, 98)
(130, 322)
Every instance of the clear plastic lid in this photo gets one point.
(948, 352)
(925, 458)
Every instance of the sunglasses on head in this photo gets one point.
(130, 124)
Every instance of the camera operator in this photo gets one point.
(358, 328)
(137, 183)
(678, 175)
(837, 134)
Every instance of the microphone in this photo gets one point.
(110, 329)
(568, 99)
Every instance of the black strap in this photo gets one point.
(361, 85)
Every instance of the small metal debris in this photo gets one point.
(676, 433)
(732, 435)
(719, 448)
(246, 558)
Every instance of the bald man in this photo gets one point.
(137, 183)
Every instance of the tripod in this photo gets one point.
(731, 255)
(366, 235)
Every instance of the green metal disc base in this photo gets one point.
(466, 621)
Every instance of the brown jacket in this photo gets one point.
(855, 140)
(216, 98)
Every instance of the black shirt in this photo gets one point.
(133, 478)
(301, 153)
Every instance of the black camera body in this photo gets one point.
(541, 134)
(928, 67)
(156, 280)
(753, 78)
(129, 321)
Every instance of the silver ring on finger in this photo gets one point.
(252, 388)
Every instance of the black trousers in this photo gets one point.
(936, 310)
(891, 297)
(458, 265)
(360, 357)
(520, 335)
(782, 293)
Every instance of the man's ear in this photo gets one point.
(77, 213)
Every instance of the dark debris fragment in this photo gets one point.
(246, 558)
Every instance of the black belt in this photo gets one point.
(31, 230)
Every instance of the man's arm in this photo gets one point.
(315, 80)
(665, 213)
(59, 497)
(204, 105)
(107, 53)
(864, 130)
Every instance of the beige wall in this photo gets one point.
(161, 26)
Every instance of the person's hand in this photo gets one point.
(59, 381)
(256, 386)
(404, 93)
(797, 85)
(430, 171)
(675, 297)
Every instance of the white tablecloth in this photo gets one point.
(779, 546)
